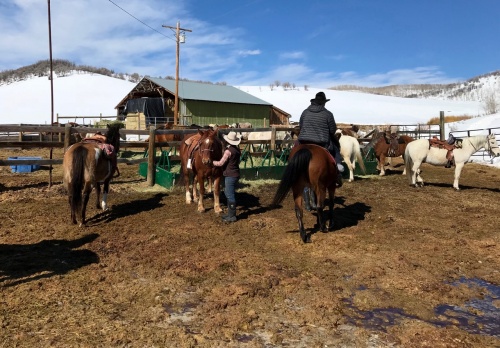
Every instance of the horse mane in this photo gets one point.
(113, 135)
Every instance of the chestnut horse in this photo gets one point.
(199, 150)
(384, 145)
(309, 166)
(86, 165)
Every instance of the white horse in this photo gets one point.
(351, 152)
(266, 138)
(419, 151)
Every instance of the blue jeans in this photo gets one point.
(230, 183)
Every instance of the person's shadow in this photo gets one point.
(22, 263)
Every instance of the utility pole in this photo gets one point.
(51, 90)
(178, 30)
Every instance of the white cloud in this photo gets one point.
(249, 53)
(98, 33)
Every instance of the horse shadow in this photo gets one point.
(252, 205)
(462, 187)
(4, 188)
(344, 216)
(30, 262)
(126, 209)
(348, 215)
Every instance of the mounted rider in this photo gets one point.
(318, 126)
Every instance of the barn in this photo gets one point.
(151, 102)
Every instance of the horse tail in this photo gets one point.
(359, 158)
(296, 168)
(408, 163)
(77, 169)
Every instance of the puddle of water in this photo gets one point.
(478, 316)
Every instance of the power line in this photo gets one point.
(137, 19)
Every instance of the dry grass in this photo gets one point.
(449, 119)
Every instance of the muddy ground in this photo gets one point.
(404, 267)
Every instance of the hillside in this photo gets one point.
(87, 91)
(475, 89)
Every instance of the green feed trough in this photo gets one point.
(271, 166)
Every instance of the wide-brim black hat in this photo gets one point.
(320, 98)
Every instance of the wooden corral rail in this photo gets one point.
(14, 136)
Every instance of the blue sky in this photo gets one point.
(256, 42)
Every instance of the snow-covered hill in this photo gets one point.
(363, 108)
(80, 94)
(475, 89)
(29, 101)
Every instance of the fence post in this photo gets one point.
(441, 125)
(273, 138)
(151, 157)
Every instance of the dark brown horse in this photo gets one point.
(352, 131)
(388, 145)
(309, 166)
(89, 164)
(197, 152)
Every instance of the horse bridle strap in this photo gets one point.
(475, 149)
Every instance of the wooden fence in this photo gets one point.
(50, 137)
(33, 136)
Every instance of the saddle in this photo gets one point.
(99, 139)
(192, 144)
(449, 145)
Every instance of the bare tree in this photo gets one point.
(277, 83)
(271, 86)
(306, 87)
(490, 102)
(135, 77)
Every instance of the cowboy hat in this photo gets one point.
(320, 98)
(232, 138)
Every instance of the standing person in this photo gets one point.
(318, 126)
(230, 162)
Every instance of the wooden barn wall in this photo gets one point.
(204, 113)
(278, 118)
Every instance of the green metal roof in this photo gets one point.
(209, 92)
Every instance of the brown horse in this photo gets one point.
(197, 152)
(388, 145)
(309, 166)
(86, 165)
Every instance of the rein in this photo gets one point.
(475, 149)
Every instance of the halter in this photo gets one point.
(200, 143)
(489, 144)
